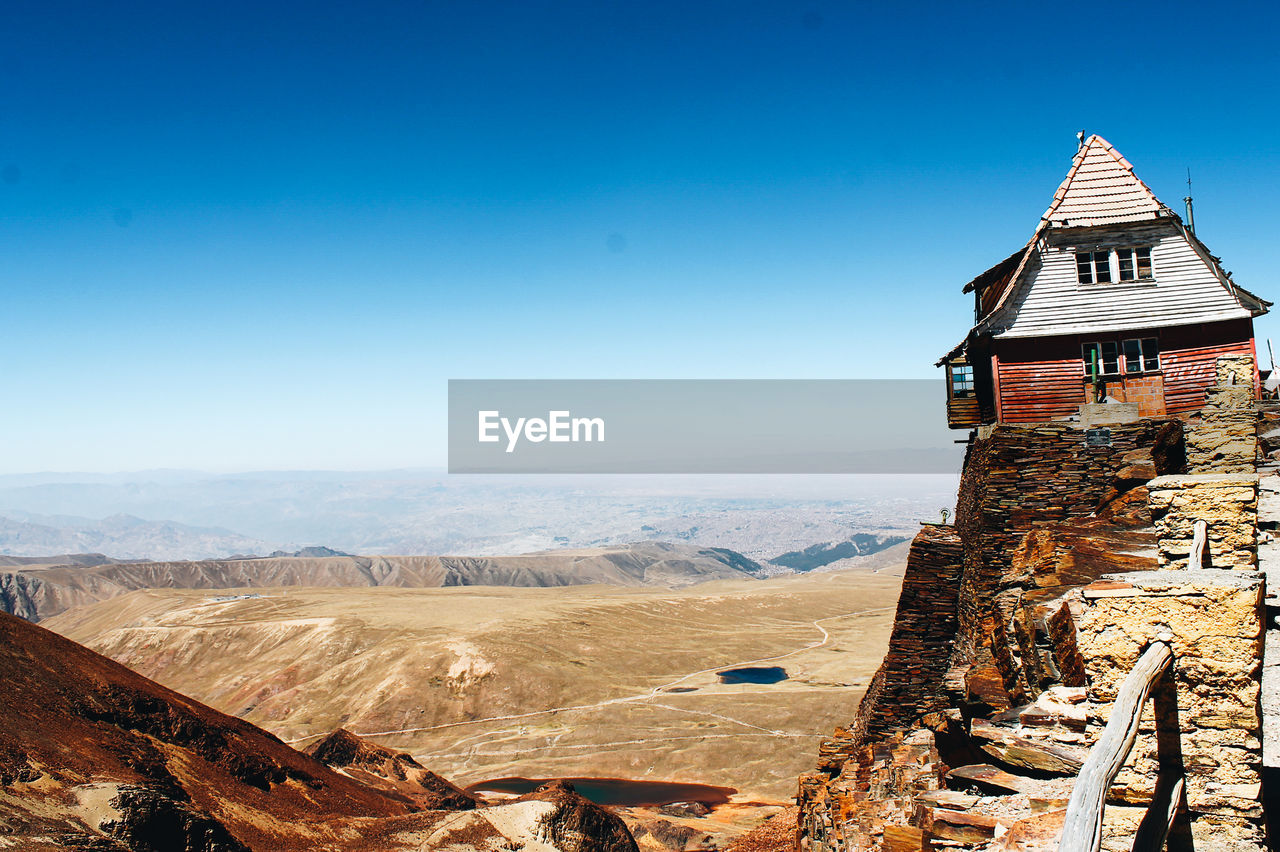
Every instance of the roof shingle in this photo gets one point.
(1101, 189)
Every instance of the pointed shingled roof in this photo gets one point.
(1101, 189)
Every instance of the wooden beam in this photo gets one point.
(1082, 827)
(1199, 536)
(995, 386)
(1154, 830)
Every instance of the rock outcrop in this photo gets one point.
(570, 823)
(381, 767)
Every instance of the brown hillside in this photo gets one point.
(94, 756)
(89, 748)
(383, 768)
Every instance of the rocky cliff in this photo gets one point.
(1016, 627)
(982, 711)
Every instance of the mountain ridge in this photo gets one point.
(40, 591)
(124, 535)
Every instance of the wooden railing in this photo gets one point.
(1082, 827)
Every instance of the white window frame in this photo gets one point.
(1144, 345)
(1094, 266)
(1112, 265)
(1132, 253)
(1102, 360)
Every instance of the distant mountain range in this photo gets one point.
(208, 516)
(820, 555)
(122, 536)
(34, 591)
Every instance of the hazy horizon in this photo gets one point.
(402, 512)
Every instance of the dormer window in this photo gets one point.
(1134, 263)
(1131, 263)
(1093, 267)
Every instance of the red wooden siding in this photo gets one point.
(1042, 379)
(1189, 366)
(1035, 391)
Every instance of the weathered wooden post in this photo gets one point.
(1199, 536)
(1082, 827)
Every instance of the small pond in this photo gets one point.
(618, 792)
(753, 674)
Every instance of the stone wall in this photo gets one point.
(1027, 477)
(1226, 502)
(923, 632)
(1016, 481)
(1225, 439)
(1234, 370)
(1216, 621)
(979, 754)
(924, 629)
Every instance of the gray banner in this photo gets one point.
(700, 426)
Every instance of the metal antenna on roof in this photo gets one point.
(1191, 213)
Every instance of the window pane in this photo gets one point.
(1089, 351)
(1084, 274)
(1102, 267)
(1150, 354)
(1144, 262)
(1110, 358)
(1126, 264)
(1132, 356)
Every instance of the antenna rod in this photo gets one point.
(1191, 213)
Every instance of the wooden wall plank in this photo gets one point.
(1043, 379)
(1048, 299)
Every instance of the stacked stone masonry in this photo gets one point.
(1226, 502)
(1216, 620)
(922, 633)
(980, 752)
(1225, 441)
(904, 688)
(1236, 370)
(1022, 479)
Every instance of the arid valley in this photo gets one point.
(701, 639)
(480, 683)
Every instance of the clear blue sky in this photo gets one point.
(265, 235)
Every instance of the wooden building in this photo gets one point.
(1113, 297)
